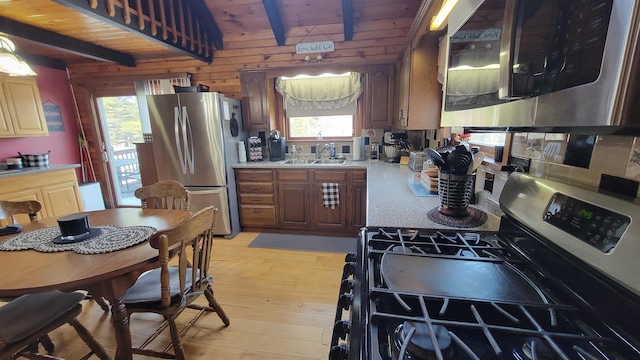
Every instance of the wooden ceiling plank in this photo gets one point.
(347, 19)
(65, 43)
(271, 8)
(82, 7)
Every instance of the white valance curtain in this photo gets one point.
(324, 95)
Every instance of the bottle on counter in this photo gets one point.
(332, 150)
(242, 152)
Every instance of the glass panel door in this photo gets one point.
(122, 128)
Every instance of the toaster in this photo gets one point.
(416, 159)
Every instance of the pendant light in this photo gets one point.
(10, 62)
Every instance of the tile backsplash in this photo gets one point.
(580, 161)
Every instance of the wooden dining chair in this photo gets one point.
(29, 318)
(9, 210)
(165, 194)
(168, 290)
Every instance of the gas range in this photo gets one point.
(509, 294)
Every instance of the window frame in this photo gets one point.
(282, 121)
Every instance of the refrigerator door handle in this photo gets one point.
(188, 140)
(177, 129)
(205, 192)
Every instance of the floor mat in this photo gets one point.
(305, 242)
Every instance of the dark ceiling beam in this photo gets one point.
(199, 12)
(65, 43)
(44, 61)
(347, 19)
(271, 8)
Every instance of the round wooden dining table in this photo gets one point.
(108, 275)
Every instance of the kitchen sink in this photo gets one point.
(298, 161)
(313, 162)
(330, 161)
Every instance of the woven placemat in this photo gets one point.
(112, 238)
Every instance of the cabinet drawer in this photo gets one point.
(257, 215)
(293, 175)
(254, 175)
(359, 176)
(330, 176)
(255, 188)
(257, 199)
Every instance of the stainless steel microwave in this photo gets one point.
(551, 65)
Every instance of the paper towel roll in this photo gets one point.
(358, 148)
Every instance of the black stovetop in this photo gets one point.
(477, 296)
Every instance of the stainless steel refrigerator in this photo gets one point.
(195, 138)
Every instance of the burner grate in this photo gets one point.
(491, 330)
(435, 243)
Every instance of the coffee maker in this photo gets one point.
(277, 146)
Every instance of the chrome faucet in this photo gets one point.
(320, 150)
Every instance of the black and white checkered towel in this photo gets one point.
(330, 196)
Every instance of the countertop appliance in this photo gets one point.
(558, 280)
(277, 148)
(417, 159)
(193, 144)
(497, 77)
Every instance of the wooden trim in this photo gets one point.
(131, 78)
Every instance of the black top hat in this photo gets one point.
(75, 228)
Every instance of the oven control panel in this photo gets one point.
(598, 227)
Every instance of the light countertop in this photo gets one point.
(392, 203)
(390, 200)
(4, 173)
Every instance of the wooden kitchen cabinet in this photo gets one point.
(357, 199)
(57, 191)
(256, 198)
(326, 218)
(258, 111)
(293, 202)
(379, 96)
(21, 112)
(294, 199)
(419, 95)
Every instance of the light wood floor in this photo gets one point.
(281, 305)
